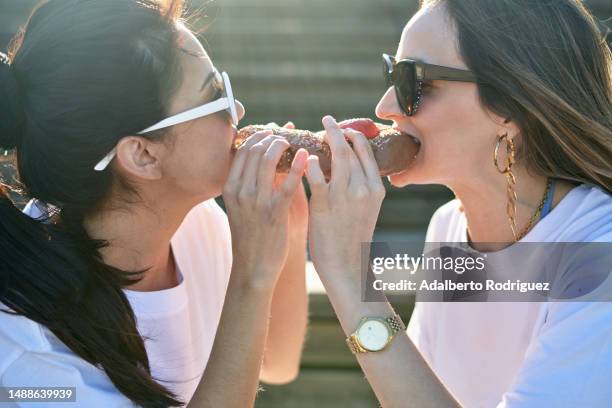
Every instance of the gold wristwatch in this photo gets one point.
(374, 334)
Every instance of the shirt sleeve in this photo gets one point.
(569, 362)
(40, 370)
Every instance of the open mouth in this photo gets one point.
(409, 153)
(415, 139)
(410, 135)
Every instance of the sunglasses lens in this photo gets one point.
(403, 79)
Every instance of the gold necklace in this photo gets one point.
(531, 221)
(536, 215)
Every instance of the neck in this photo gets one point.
(484, 203)
(139, 237)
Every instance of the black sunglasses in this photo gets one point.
(407, 77)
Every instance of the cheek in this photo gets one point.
(204, 158)
(455, 130)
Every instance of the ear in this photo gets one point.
(511, 128)
(506, 125)
(140, 157)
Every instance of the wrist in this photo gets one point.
(337, 280)
(255, 280)
(346, 299)
(338, 272)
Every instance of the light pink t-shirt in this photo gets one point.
(178, 324)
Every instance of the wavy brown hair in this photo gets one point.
(548, 68)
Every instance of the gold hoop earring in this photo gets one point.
(510, 179)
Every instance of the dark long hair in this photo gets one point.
(82, 74)
(549, 69)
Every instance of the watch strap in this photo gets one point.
(354, 345)
(394, 322)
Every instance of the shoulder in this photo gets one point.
(447, 212)
(567, 363)
(584, 215)
(206, 218)
(208, 212)
(204, 238)
(29, 359)
(90, 385)
(447, 223)
(18, 335)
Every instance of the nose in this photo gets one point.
(388, 108)
(240, 110)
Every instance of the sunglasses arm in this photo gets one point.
(433, 72)
(200, 111)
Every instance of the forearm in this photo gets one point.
(399, 375)
(231, 377)
(289, 318)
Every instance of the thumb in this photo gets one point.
(318, 187)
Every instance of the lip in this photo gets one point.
(409, 134)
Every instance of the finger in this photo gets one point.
(340, 150)
(267, 167)
(318, 186)
(255, 138)
(365, 155)
(293, 179)
(357, 176)
(289, 125)
(249, 176)
(240, 157)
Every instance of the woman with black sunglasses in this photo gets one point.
(511, 102)
(124, 280)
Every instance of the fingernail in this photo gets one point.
(329, 120)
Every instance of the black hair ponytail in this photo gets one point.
(66, 98)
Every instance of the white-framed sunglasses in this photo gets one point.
(225, 102)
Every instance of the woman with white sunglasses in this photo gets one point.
(124, 281)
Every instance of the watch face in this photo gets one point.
(373, 335)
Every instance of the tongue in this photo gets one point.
(363, 125)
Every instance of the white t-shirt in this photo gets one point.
(523, 355)
(178, 324)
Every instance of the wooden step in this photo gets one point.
(321, 388)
